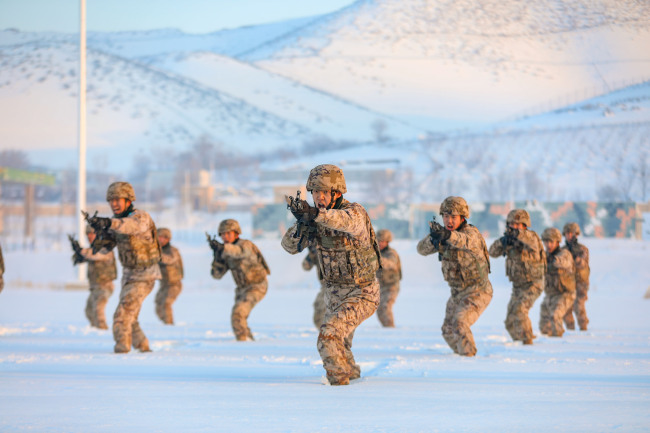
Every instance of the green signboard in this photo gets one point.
(8, 174)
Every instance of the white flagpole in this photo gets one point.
(81, 190)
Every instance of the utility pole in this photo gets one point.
(81, 190)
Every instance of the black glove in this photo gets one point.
(507, 240)
(438, 233)
(215, 245)
(301, 210)
(100, 224)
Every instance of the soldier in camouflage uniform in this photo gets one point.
(465, 267)
(559, 284)
(249, 270)
(171, 269)
(525, 268)
(348, 256)
(2, 271)
(580, 255)
(389, 277)
(101, 273)
(311, 260)
(134, 233)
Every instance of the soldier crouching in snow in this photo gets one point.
(348, 256)
(134, 233)
(465, 267)
(580, 255)
(171, 269)
(559, 284)
(101, 273)
(249, 270)
(525, 267)
(389, 276)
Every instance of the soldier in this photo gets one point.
(2, 271)
(101, 273)
(134, 233)
(465, 266)
(559, 284)
(249, 270)
(389, 277)
(348, 256)
(311, 260)
(171, 269)
(580, 255)
(525, 268)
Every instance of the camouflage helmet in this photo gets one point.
(228, 225)
(552, 234)
(571, 228)
(384, 235)
(454, 206)
(164, 232)
(89, 229)
(518, 216)
(120, 190)
(326, 177)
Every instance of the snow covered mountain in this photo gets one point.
(466, 61)
(376, 71)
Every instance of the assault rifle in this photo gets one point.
(215, 245)
(103, 239)
(77, 257)
(303, 229)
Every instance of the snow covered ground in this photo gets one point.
(59, 375)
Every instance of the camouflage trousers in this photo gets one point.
(126, 329)
(167, 294)
(578, 309)
(521, 301)
(464, 307)
(319, 307)
(553, 310)
(347, 308)
(388, 295)
(96, 304)
(245, 299)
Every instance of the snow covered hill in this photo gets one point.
(466, 61)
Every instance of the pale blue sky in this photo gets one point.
(192, 16)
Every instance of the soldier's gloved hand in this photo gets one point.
(438, 234)
(216, 246)
(99, 223)
(507, 240)
(301, 210)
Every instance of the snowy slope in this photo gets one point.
(58, 374)
(468, 60)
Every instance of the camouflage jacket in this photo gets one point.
(345, 243)
(137, 246)
(391, 267)
(101, 266)
(171, 265)
(245, 262)
(525, 260)
(2, 263)
(580, 255)
(464, 256)
(560, 274)
(311, 260)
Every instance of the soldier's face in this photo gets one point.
(452, 222)
(163, 240)
(91, 236)
(569, 236)
(550, 245)
(517, 226)
(229, 237)
(382, 244)
(322, 199)
(118, 205)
